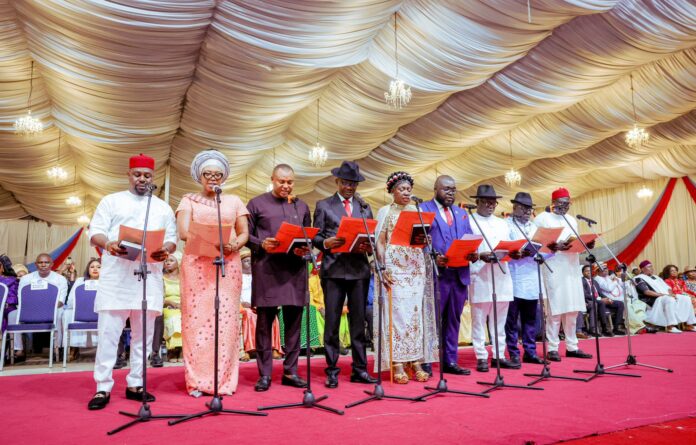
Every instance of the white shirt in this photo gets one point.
(525, 279)
(245, 297)
(656, 283)
(119, 288)
(53, 278)
(610, 288)
(496, 230)
(564, 290)
(441, 209)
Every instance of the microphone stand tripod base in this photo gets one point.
(631, 360)
(214, 407)
(308, 401)
(546, 374)
(599, 370)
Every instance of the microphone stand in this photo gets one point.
(599, 368)
(539, 260)
(378, 392)
(144, 414)
(631, 359)
(308, 400)
(441, 387)
(215, 404)
(499, 382)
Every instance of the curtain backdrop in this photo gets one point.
(618, 211)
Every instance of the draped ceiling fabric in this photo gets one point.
(170, 78)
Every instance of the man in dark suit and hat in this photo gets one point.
(343, 275)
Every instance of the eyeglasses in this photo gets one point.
(213, 175)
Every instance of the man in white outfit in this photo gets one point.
(563, 288)
(496, 230)
(119, 293)
(38, 279)
(666, 308)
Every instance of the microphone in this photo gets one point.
(547, 209)
(151, 187)
(416, 199)
(292, 199)
(360, 201)
(217, 189)
(586, 219)
(469, 206)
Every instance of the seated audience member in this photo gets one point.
(610, 288)
(636, 309)
(80, 339)
(171, 311)
(690, 283)
(603, 302)
(38, 278)
(249, 316)
(666, 308)
(69, 270)
(674, 280)
(8, 277)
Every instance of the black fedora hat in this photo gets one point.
(485, 191)
(349, 170)
(523, 198)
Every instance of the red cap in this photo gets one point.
(141, 161)
(560, 193)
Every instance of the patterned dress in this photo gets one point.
(414, 336)
(198, 303)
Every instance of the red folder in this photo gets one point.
(509, 246)
(546, 236)
(409, 226)
(203, 238)
(353, 230)
(291, 236)
(461, 248)
(133, 238)
(577, 247)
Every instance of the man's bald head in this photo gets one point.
(445, 190)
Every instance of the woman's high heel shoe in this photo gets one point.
(400, 376)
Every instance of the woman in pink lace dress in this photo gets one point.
(210, 168)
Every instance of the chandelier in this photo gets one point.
(57, 173)
(399, 94)
(637, 136)
(74, 200)
(83, 220)
(644, 192)
(28, 125)
(512, 177)
(318, 154)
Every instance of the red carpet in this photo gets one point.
(52, 408)
(666, 433)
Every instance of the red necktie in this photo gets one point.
(346, 205)
(448, 216)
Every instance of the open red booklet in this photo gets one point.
(291, 237)
(353, 230)
(408, 228)
(461, 248)
(131, 239)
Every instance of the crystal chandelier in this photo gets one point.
(74, 200)
(644, 192)
(637, 136)
(28, 125)
(318, 154)
(57, 173)
(512, 177)
(399, 94)
(83, 220)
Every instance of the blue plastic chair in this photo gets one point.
(83, 319)
(38, 309)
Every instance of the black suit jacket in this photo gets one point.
(327, 217)
(588, 290)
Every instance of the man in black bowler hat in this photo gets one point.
(343, 274)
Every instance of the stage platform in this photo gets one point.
(51, 408)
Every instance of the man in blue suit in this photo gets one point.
(450, 223)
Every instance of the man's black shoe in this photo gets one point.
(534, 359)
(362, 377)
(578, 354)
(482, 365)
(99, 401)
(553, 356)
(331, 381)
(263, 383)
(293, 380)
(453, 368)
(156, 361)
(138, 395)
(505, 363)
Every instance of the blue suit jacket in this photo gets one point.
(440, 232)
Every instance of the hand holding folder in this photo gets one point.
(204, 239)
(291, 237)
(130, 239)
(409, 231)
(352, 230)
(460, 249)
